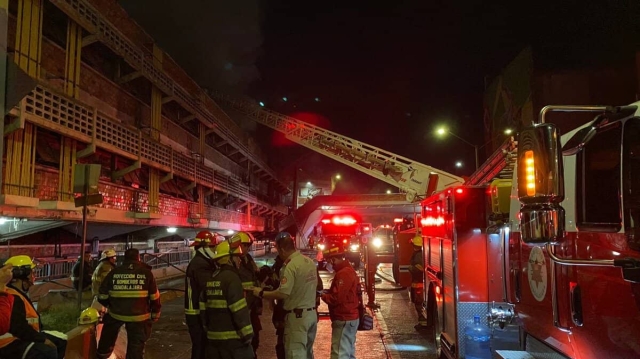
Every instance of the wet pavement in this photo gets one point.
(393, 335)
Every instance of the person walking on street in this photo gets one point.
(86, 273)
(226, 316)
(343, 302)
(298, 282)
(131, 296)
(416, 269)
(27, 341)
(249, 272)
(199, 271)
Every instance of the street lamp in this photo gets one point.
(458, 164)
(444, 131)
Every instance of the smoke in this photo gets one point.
(216, 41)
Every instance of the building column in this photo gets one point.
(156, 128)
(248, 213)
(20, 147)
(71, 88)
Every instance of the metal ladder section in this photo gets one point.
(409, 176)
(499, 165)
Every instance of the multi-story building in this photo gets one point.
(105, 93)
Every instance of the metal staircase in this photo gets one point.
(411, 177)
(499, 165)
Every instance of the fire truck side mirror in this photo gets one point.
(540, 184)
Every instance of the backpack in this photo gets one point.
(366, 320)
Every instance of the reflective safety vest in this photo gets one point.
(33, 318)
(227, 316)
(130, 293)
(417, 267)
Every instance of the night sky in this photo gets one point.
(384, 74)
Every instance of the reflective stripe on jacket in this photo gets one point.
(248, 273)
(199, 271)
(33, 317)
(130, 293)
(225, 314)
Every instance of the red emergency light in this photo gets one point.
(343, 221)
(366, 229)
(459, 190)
(326, 221)
(344, 241)
(430, 221)
(397, 220)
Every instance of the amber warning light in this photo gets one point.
(530, 173)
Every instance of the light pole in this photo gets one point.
(443, 131)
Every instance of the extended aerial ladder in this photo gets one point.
(415, 179)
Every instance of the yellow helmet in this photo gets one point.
(21, 261)
(224, 249)
(107, 253)
(417, 240)
(88, 316)
(240, 237)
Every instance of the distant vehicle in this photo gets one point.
(345, 229)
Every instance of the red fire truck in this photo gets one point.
(346, 229)
(544, 246)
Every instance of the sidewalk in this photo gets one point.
(392, 337)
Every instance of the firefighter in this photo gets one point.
(249, 273)
(343, 302)
(23, 308)
(199, 270)
(131, 296)
(226, 316)
(417, 280)
(106, 265)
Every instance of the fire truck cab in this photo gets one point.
(346, 229)
(547, 256)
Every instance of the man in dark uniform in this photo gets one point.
(249, 272)
(199, 271)
(417, 280)
(226, 315)
(130, 294)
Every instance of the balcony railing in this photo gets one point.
(130, 199)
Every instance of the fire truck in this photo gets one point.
(542, 243)
(345, 229)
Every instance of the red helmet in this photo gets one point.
(204, 238)
(333, 249)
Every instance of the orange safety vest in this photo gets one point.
(7, 338)
(33, 318)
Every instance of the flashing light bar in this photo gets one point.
(397, 220)
(530, 173)
(432, 221)
(343, 221)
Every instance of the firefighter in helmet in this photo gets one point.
(107, 263)
(249, 274)
(417, 279)
(33, 335)
(199, 271)
(226, 316)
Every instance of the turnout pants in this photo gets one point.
(30, 350)
(198, 336)
(299, 334)
(137, 335)
(417, 297)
